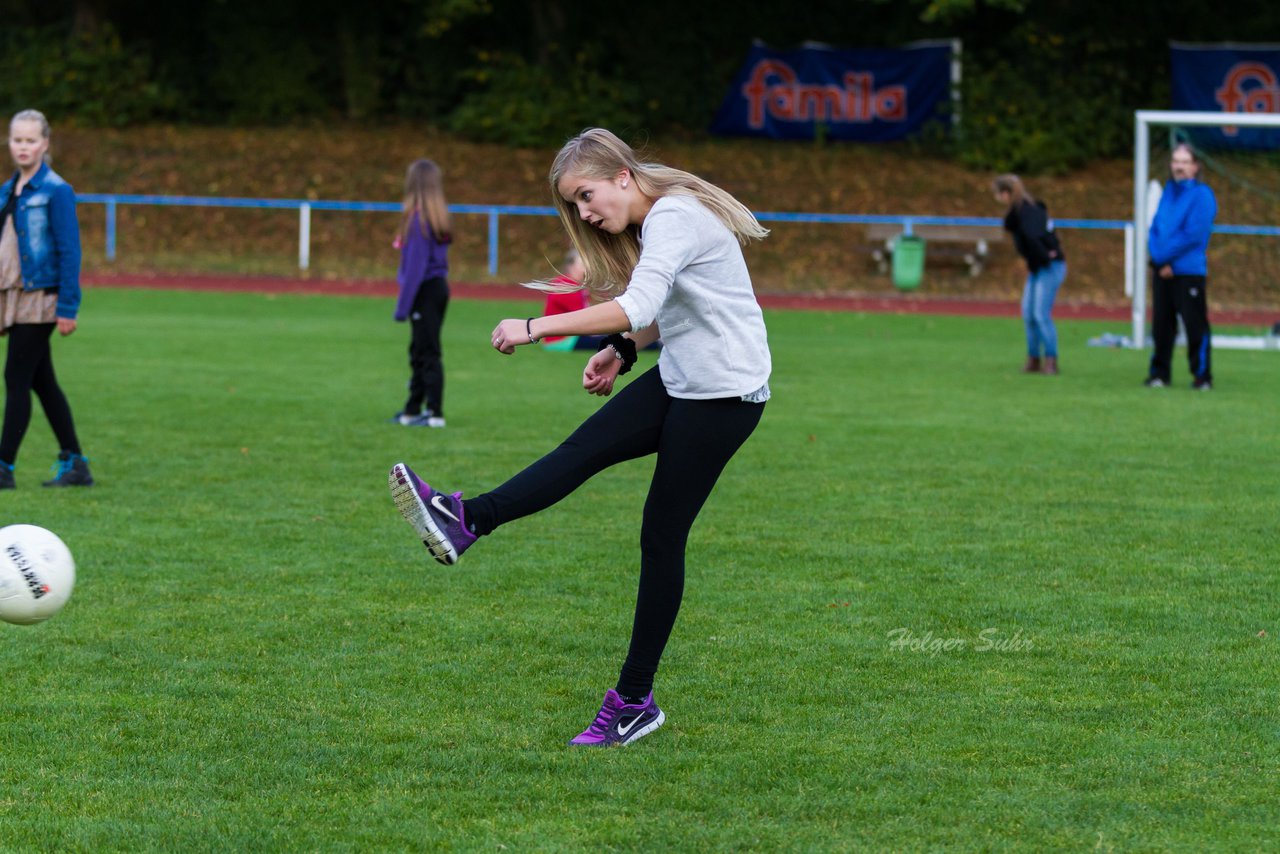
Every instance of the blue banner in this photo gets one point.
(1228, 78)
(868, 95)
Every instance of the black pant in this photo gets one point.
(694, 440)
(426, 370)
(28, 368)
(1180, 296)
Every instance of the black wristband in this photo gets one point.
(528, 328)
(624, 347)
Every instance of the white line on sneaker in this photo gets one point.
(415, 512)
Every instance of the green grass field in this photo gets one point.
(933, 604)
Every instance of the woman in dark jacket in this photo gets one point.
(1028, 221)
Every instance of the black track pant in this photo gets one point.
(28, 368)
(1170, 298)
(694, 440)
(426, 369)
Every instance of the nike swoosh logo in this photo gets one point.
(623, 730)
(438, 502)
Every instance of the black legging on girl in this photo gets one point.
(694, 440)
(28, 368)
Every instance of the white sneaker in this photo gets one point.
(426, 419)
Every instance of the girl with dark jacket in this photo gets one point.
(1027, 220)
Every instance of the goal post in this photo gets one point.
(1143, 121)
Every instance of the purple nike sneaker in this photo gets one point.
(618, 723)
(438, 518)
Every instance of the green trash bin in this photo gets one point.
(908, 262)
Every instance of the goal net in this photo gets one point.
(1244, 253)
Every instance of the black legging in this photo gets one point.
(694, 440)
(28, 368)
(1180, 296)
(426, 377)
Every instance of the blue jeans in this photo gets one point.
(1037, 308)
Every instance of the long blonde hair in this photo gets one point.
(596, 154)
(424, 195)
(1012, 184)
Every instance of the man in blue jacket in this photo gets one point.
(1178, 240)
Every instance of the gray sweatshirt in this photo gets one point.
(692, 279)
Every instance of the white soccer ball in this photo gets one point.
(36, 574)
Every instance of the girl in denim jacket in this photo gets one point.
(39, 291)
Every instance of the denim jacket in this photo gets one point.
(48, 237)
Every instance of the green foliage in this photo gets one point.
(260, 79)
(1016, 114)
(360, 78)
(521, 104)
(1046, 85)
(93, 77)
(440, 17)
(950, 11)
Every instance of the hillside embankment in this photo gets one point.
(363, 163)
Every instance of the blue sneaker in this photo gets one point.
(70, 470)
(438, 518)
(617, 723)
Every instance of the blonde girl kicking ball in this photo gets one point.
(664, 248)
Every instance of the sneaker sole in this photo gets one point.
(646, 729)
(414, 511)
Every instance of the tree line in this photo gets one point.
(1048, 84)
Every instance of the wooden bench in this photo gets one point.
(968, 243)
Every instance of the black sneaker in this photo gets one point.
(1202, 385)
(71, 470)
(6, 476)
(1154, 382)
